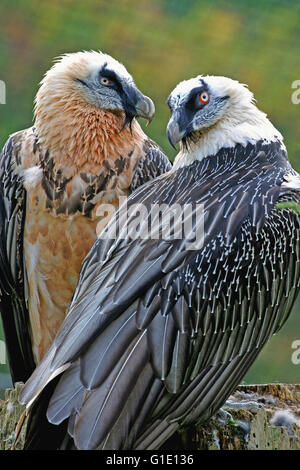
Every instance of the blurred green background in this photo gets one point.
(162, 42)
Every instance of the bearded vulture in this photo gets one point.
(162, 328)
(85, 150)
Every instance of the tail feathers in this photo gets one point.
(41, 376)
(103, 406)
(137, 409)
(111, 415)
(116, 414)
(161, 431)
(67, 397)
(210, 391)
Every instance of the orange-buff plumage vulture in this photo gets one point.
(85, 150)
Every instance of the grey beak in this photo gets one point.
(145, 108)
(174, 133)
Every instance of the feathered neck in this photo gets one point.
(243, 124)
(77, 132)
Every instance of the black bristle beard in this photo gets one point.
(128, 121)
(189, 139)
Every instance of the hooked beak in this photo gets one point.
(137, 105)
(174, 131)
(145, 108)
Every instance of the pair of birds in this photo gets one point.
(157, 334)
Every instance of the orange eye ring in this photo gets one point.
(204, 97)
(105, 81)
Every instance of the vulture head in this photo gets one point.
(211, 112)
(87, 93)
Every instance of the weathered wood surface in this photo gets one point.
(262, 417)
(10, 413)
(255, 417)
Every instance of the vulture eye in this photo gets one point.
(105, 81)
(204, 97)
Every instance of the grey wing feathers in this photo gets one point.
(175, 329)
(12, 276)
(152, 164)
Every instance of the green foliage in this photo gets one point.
(289, 205)
(162, 42)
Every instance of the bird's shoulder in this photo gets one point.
(151, 164)
(20, 150)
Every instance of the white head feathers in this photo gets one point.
(239, 122)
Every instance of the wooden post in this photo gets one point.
(255, 417)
